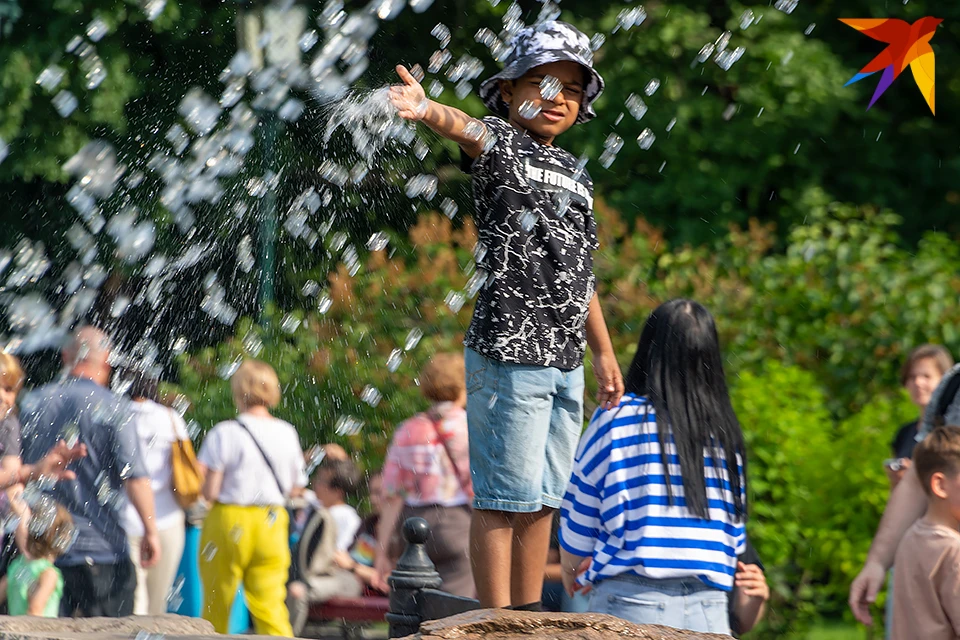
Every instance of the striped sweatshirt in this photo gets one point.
(616, 509)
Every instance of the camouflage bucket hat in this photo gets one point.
(552, 41)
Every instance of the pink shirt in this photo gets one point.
(419, 467)
(926, 584)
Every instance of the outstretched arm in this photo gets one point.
(412, 104)
(907, 503)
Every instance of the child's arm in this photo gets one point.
(571, 566)
(46, 585)
(750, 595)
(605, 365)
(412, 104)
(20, 508)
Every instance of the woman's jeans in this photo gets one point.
(680, 603)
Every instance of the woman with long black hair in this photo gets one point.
(654, 515)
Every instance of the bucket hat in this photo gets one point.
(547, 42)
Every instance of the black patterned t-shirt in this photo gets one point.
(534, 216)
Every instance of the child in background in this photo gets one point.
(927, 581)
(34, 584)
(334, 481)
(538, 307)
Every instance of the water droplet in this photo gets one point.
(646, 139)
(527, 219)
(378, 241)
(291, 110)
(652, 87)
(493, 400)
(746, 19)
(787, 6)
(729, 111)
(441, 33)
(613, 143)
(227, 369)
(561, 200)
(348, 426)
(290, 323)
(455, 301)
(413, 339)
(811, 27)
(726, 59)
(308, 40)
(323, 304)
(636, 106)
(209, 551)
(153, 9)
(476, 282)
(96, 30)
(474, 130)
(550, 87)
(393, 362)
(65, 103)
(438, 60)
(449, 208)
(671, 124)
(371, 395)
(597, 41)
(422, 185)
(435, 88)
(51, 77)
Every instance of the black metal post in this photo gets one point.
(413, 573)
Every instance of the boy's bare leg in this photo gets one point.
(531, 543)
(491, 540)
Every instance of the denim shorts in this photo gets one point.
(684, 603)
(524, 423)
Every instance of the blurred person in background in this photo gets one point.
(427, 475)
(99, 577)
(921, 373)
(158, 428)
(254, 464)
(322, 566)
(12, 470)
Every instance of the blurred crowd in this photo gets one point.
(107, 510)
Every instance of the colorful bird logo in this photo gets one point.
(908, 44)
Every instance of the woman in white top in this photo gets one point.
(254, 464)
(158, 428)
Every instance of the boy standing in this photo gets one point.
(538, 307)
(927, 581)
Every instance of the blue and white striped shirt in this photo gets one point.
(616, 509)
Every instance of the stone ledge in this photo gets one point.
(501, 624)
(168, 625)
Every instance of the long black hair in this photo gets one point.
(679, 369)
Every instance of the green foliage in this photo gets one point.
(788, 433)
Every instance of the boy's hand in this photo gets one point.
(751, 581)
(606, 369)
(408, 98)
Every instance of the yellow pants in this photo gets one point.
(249, 544)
